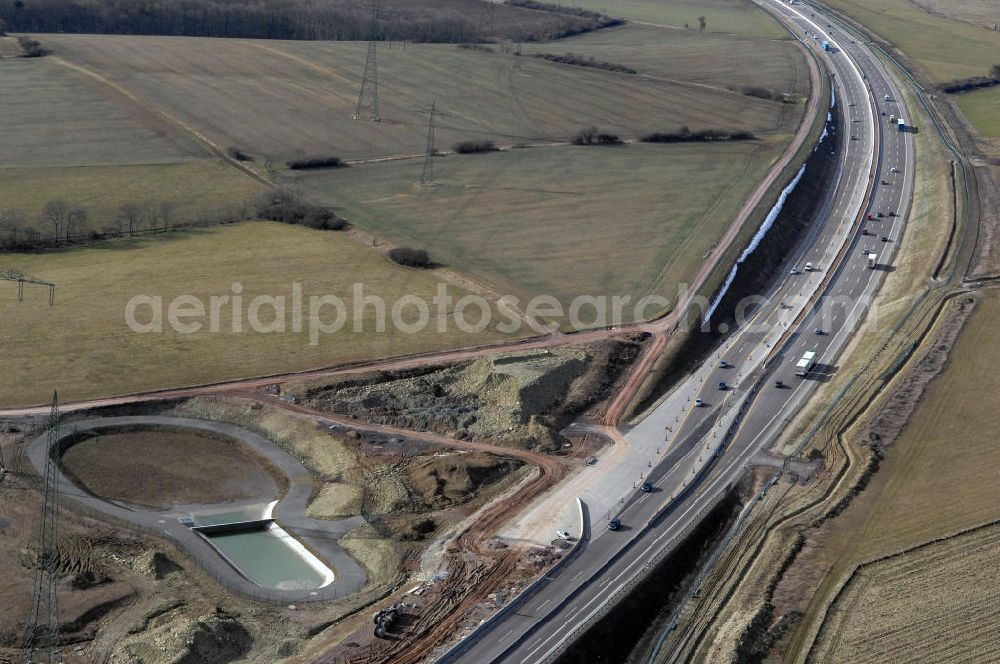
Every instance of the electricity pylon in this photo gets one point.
(41, 634)
(367, 108)
(10, 274)
(427, 176)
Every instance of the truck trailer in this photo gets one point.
(872, 260)
(825, 44)
(901, 124)
(806, 364)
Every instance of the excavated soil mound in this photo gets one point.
(451, 479)
(159, 468)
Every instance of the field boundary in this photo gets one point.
(845, 583)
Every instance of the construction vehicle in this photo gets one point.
(383, 620)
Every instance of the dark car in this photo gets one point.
(722, 385)
(614, 524)
(778, 384)
(885, 238)
(647, 487)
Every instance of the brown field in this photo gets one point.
(738, 17)
(981, 13)
(54, 116)
(711, 59)
(935, 604)
(280, 99)
(944, 47)
(161, 468)
(938, 477)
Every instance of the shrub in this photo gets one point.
(685, 135)
(286, 207)
(971, 83)
(316, 161)
(238, 155)
(591, 136)
(410, 257)
(469, 147)
(32, 48)
(580, 61)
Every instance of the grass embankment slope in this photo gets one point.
(68, 136)
(938, 478)
(83, 347)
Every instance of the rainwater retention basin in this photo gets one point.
(266, 554)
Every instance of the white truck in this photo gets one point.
(806, 364)
(872, 260)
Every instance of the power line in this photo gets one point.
(10, 274)
(41, 635)
(367, 108)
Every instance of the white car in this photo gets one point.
(809, 267)
(562, 534)
(794, 271)
(699, 403)
(894, 169)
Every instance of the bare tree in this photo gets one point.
(166, 213)
(149, 215)
(75, 220)
(129, 215)
(12, 222)
(56, 215)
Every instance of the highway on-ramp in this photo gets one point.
(705, 449)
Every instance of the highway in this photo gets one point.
(876, 177)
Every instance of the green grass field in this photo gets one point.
(738, 17)
(195, 188)
(945, 48)
(279, 99)
(561, 221)
(982, 108)
(83, 347)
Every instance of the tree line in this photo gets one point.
(60, 222)
(289, 19)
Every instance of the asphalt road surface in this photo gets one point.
(688, 478)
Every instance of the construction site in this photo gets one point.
(478, 332)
